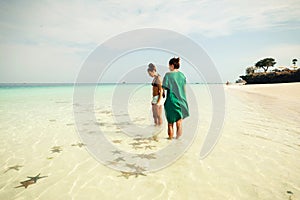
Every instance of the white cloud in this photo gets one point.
(57, 32)
(94, 21)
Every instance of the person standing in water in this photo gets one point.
(176, 107)
(157, 94)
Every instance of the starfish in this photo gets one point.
(79, 144)
(139, 169)
(112, 163)
(149, 147)
(116, 152)
(135, 143)
(119, 159)
(32, 180)
(126, 174)
(147, 156)
(105, 111)
(144, 142)
(138, 173)
(26, 183)
(138, 135)
(138, 139)
(99, 123)
(56, 150)
(131, 166)
(37, 177)
(117, 141)
(153, 138)
(15, 167)
(136, 147)
(56, 147)
(135, 173)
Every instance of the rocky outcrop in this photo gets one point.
(273, 77)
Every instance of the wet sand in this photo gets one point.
(257, 156)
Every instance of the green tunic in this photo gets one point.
(176, 106)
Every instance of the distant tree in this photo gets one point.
(250, 70)
(276, 70)
(265, 63)
(294, 61)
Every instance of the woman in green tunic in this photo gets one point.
(176, 107)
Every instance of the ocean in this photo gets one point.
(102, 143)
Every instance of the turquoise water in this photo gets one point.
(256, 157)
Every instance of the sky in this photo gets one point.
(49, 41)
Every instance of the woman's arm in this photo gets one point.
(160, 89)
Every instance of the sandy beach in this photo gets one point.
(256, 157)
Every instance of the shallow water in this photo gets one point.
(257, 156)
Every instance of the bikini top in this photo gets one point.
(155, 80)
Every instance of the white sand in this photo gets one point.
(257, 157)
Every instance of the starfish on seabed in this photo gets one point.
(138, 139)
(32, 180)
(119, 159)
(116, 152)
(149, 147)
(26, 183)
(139, 135)
(37, 177)
(79, 144)
(15, 167)
(126, 174)
(136, 147)
(135, 173)
(138, 173)
(117, 141)
(135, 143)
(139, 168)
(131, 166)
(153, 138)
(56, 149)
(135, 167)
(147, 156)
(112, 163)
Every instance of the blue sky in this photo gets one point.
(48, 41)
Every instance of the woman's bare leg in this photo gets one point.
(159, 113)
(179, 128)
(154, 111)
(170, 131)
